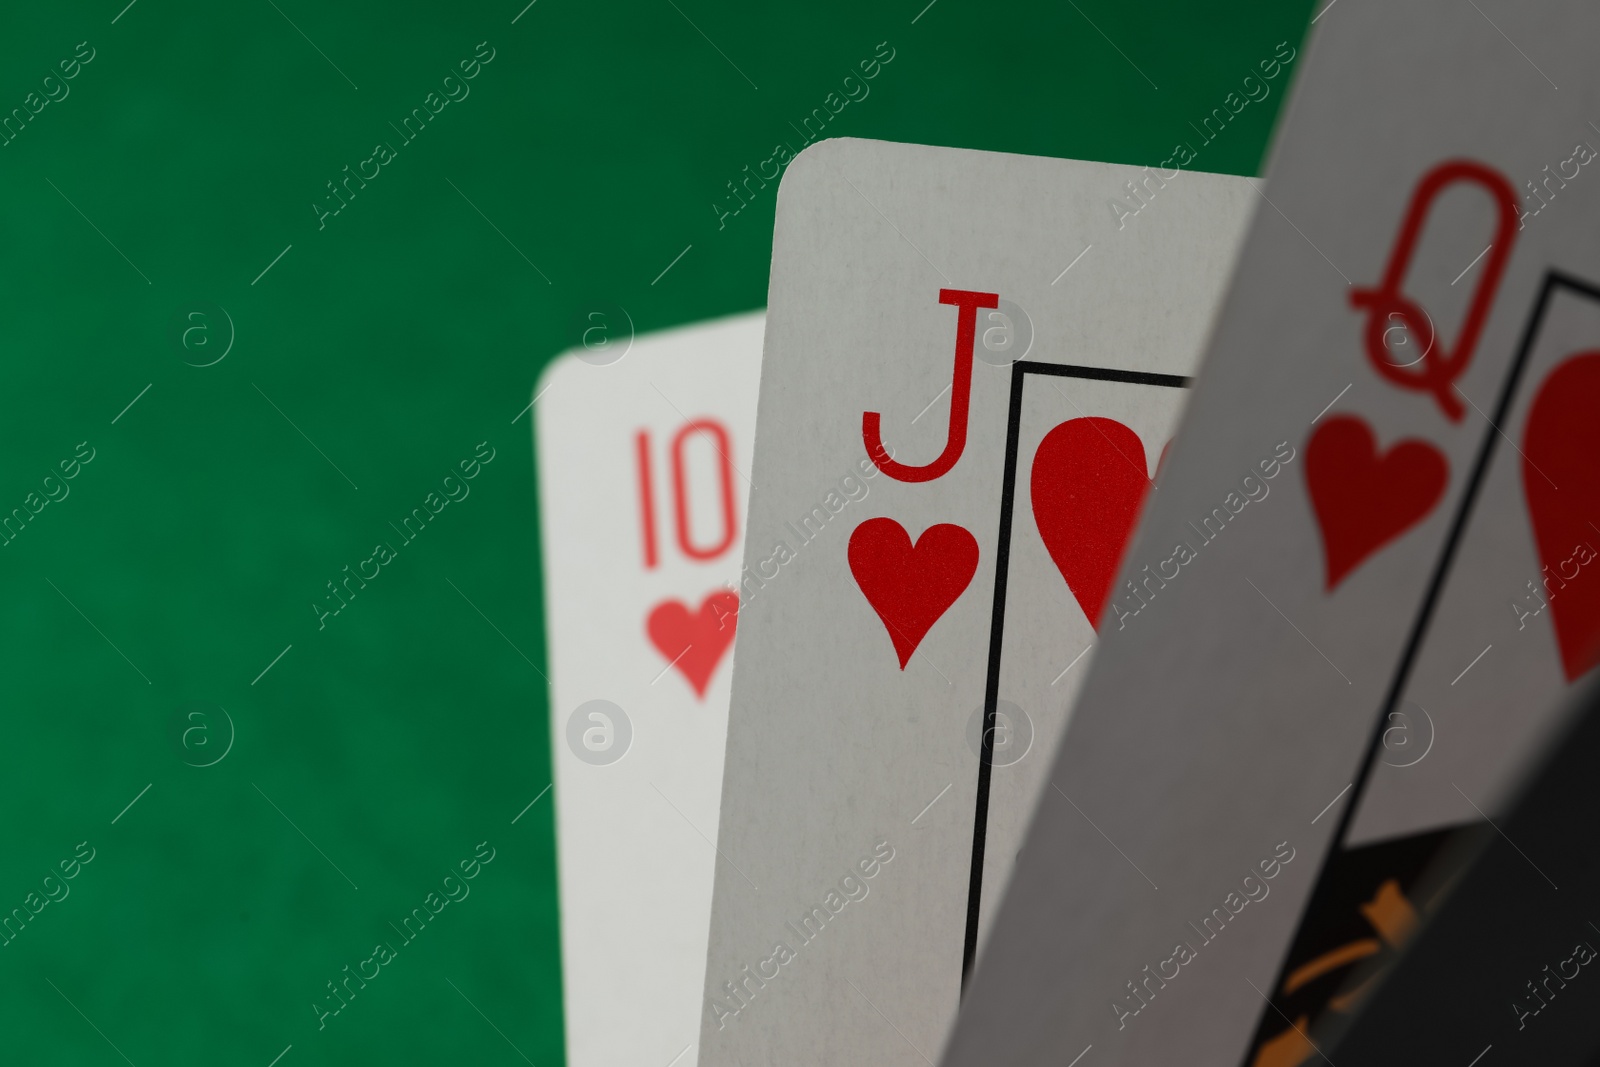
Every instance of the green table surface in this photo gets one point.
(157, 609)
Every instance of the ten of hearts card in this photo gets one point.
(644, 452)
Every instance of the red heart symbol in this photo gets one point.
(1088, 482)
(1364, 500)
(911, 586)
(1560, 446)
(694, 643)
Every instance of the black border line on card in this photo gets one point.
(991, 694)
(1553, 280)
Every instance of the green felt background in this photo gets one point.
(376, 353)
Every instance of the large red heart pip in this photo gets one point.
(1088, 482)
(694, 642)
(1561, 447)
(911, 586)
(1364, 500)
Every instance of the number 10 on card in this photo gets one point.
(693, 544)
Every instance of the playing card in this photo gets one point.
(1367, 656)
(643, 454)
(973, 365)
(1436, 775)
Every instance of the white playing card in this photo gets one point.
(1282, 736)
(851, 801)
(642, 455)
